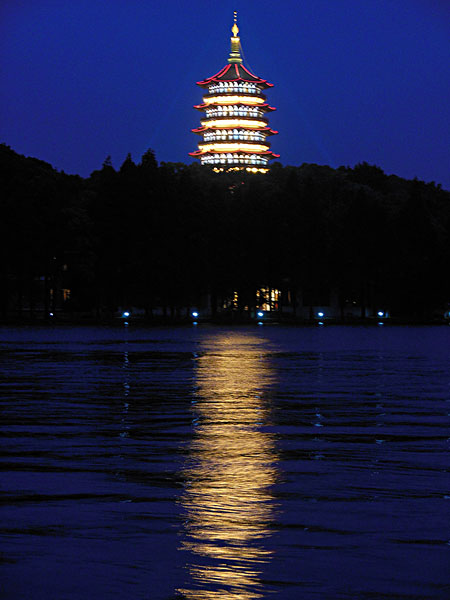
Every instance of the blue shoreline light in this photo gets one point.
(195, 314)
(260, 314)
(125, 314)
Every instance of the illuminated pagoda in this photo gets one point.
(234, 127)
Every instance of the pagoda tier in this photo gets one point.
(239, 108)
(234, 127)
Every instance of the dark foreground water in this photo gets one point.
(213, 463)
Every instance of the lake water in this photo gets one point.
(225, 463)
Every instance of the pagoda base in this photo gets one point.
(240, 168)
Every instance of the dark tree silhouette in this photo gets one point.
(173, 236)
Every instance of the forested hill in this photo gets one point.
(161, 235)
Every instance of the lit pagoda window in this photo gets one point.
(234, 123)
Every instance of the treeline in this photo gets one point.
(167, 235)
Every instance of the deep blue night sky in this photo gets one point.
(354, 80)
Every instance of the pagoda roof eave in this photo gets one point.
(265, 106)
(230, 74)
(260, 152)
(266, 130)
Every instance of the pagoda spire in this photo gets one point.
(235, 53)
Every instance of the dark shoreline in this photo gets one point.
(235, 320)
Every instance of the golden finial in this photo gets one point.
(235, 28)
(235, 54)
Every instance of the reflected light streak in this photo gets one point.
(227, 501)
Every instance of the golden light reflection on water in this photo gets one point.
(227, 501)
